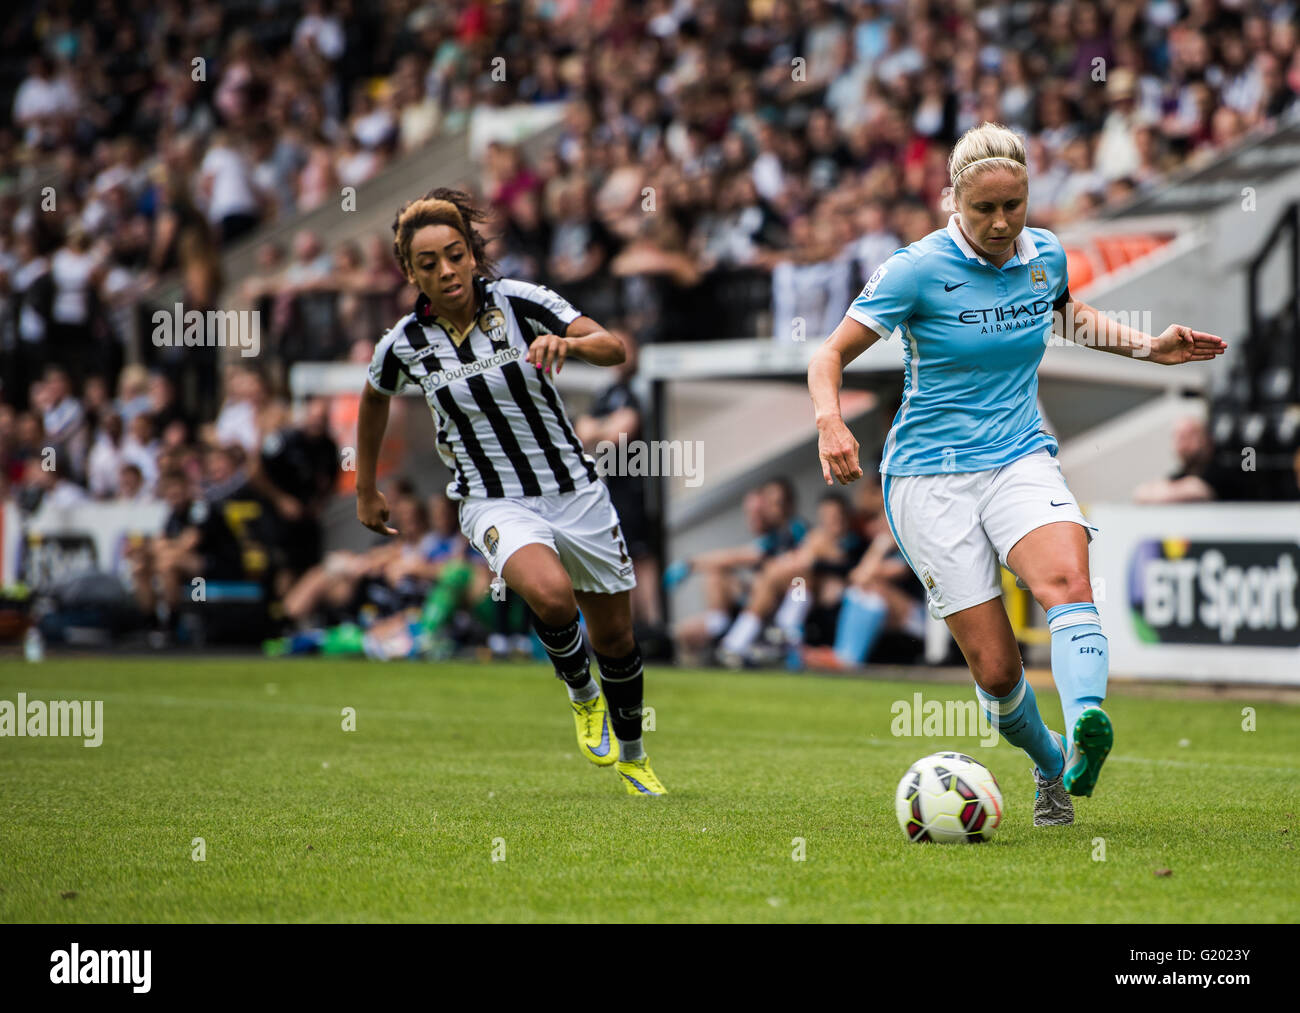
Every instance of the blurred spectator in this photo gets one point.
(195, 541)
(226, 183)
(295, 470)
(105, 463)
(1198, 478)
(249, 412)
(344, 581)
(770, 513)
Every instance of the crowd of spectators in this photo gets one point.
(824, 594)
(721, 168)
(725, 168)
(138, 443)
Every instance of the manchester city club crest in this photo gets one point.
(1038, 276)
(492, 322)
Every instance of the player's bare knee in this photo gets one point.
(1001, 680)
(1061, 587)
(615, 643)
(553, 603)
(995, 672)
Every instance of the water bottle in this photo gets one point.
(34, 644)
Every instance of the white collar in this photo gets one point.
(1026, 249)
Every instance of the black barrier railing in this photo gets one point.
(1257, 409)
(1258, 351)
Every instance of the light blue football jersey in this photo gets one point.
(973, 336)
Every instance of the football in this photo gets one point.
(948, 798)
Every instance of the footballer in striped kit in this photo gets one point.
(484, 351)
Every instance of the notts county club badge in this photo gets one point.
(490, 540)
(492, 322)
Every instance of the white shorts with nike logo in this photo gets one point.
(955, 529)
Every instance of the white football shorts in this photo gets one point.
(955, 529)
(581, 526)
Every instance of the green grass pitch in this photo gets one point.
(451, 766)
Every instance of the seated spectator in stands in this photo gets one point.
(130, 485)
(527, 237)
(769, 512)
(295, 471)
(232, 203)
(64, 419)
(311, 262)
(165, 409)
(195, 541)
(876, 243)
(46, 486)
(95, 401)
(26, 444)
(615, 414)
(883, 594)
(345, 581)
(140, 447)
(812, 282)
(104, 464)
(580, 245)
(249, 412)
(225, 476)
(355, 164)
(133, 385)
(654, 270)
(267, 281)
(31, 288)
(459, 579)
(1198, 478)
(790, 584)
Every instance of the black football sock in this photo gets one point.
(569, 656)
(624, 685)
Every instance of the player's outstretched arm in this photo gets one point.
(1176, 344)
(836, 447)
(372, 420)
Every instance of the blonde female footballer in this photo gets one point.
(970, 476)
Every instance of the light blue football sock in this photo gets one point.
(1016, 717)
(862, 617)
(1080, 659)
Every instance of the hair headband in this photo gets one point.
(992, 158)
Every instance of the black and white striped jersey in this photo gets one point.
(502, 428)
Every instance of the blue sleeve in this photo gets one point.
(889, 296)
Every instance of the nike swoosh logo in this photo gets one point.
(949, 288)
(1066, 503)
(1082, 635)
(604, 741)
(639, 786)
